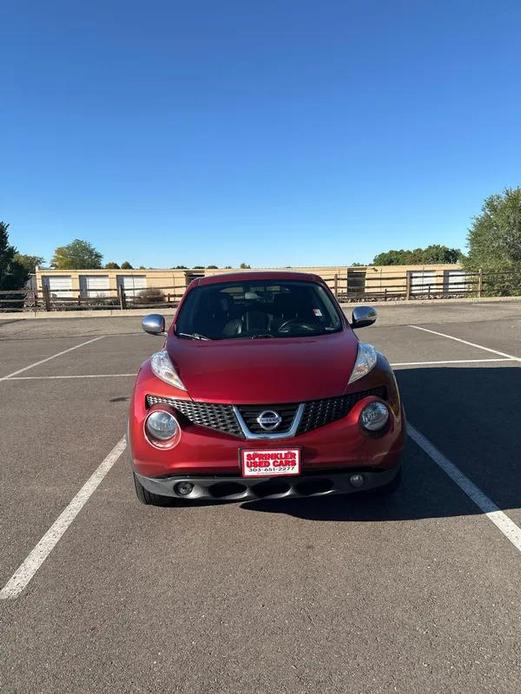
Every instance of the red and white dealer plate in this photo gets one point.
(274, 462)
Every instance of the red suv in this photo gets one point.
(262, 389)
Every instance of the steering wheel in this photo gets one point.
(283, 327)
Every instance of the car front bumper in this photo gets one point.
(237, 488)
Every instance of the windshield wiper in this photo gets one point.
(261, 336)
(194, 336)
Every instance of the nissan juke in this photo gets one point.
(262, 389)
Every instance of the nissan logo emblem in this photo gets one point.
(269, 420)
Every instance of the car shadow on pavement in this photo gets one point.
(472, 415)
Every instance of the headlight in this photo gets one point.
(161, 425)
(163, 369)
(365, 361)
(374, 417)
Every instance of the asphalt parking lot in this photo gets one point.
(416, 593)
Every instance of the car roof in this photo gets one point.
(254, 275)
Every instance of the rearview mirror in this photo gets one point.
(362, 316)
(154, 324)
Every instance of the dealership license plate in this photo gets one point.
(270, 462)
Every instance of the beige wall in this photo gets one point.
(378, 278)
(155, 278)
(393, 277)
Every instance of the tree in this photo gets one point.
(126, 266)
(494, 242)
(198, 267)
(28, 262)
(430, 255)
(78, 255)
(7, 254)
(180, 267)
(13, 274)
(440, 254)
(212, 267)
(245, 266)
(111, 266)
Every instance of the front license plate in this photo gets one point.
(270, 462)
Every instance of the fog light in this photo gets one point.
(357, 480)
(161, 425)
(374, 416)
(183, 488)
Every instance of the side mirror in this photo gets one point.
(362, 316)
(154, 324)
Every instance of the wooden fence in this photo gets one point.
(364, 286)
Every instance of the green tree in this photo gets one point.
(180, 267)
(212, 267)
(440, 254)
(29, 262)
(111, 266)
(78, 255)
(13, 274)
(245, 266)
(430, 255)
(494, 242)
(126, 266)
(198, 267)
(391, 258)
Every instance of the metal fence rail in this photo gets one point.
(391, 286)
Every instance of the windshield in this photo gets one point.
(257, 309)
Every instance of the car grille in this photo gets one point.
(250, 413)
(317, 413)
(205, 414)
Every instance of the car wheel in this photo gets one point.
(146, 497)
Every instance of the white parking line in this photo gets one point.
(39, 554)
(509, 529)
(42, 361)
(448, 361)
(466, 342)
(50, 378)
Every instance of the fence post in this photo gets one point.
(408, 285)
(480, 282)
(122, 297)
(336, 286)
(46, 297)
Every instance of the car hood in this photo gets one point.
(265, 371)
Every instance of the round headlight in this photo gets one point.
(161, 425)
(374, 417)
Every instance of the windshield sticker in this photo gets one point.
(317, 312)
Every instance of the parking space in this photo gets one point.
(112, 355)
(404, 346)
(16, 355)
(419, 592)
(501, 335)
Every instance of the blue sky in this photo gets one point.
(274, 132)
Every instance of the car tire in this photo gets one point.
(146, 497)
